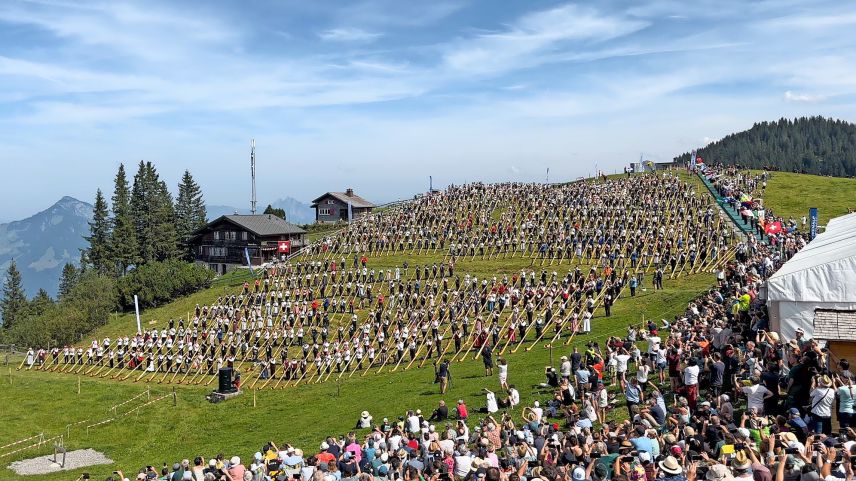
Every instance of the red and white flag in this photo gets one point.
(773, 227)
(283, 247)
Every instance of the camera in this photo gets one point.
(739, 446)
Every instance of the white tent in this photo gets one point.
(820, 276)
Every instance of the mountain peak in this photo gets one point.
(67, 199)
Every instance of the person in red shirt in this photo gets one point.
(462, 410)
(325, 456)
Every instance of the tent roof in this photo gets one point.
(824, 270)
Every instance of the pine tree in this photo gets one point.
(98, 253)
(275, 211)
(13, 305)
(190, 213)
(41, 303)
(123, 242)
(153, 214)
(67, 280)
(140, 212)
(163, 235)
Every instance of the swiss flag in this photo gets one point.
(773, 227)
(283, 247)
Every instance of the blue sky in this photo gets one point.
(379, 94)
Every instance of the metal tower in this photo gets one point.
(253, 174)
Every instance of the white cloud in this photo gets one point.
(349, 34)
(522, 44)
(798, 97)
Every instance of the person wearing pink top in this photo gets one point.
(462, 410)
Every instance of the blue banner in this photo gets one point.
(812, 215)
(250, 264)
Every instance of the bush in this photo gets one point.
(159, 282)
(85, 307)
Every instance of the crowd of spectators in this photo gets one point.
(711, 394)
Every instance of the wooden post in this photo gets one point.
(174, 397)
(254, 397)
(10, 376)
(78, 385)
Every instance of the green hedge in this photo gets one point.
(156, 283)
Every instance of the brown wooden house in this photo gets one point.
(221, 244)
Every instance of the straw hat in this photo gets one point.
(670, 465)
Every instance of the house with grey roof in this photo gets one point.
(225, 243)
(333, 206)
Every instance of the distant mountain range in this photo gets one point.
(43, 243)
(296, 211)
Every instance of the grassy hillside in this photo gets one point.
(36, 402)
(793, 194)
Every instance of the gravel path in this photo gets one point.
(73, 460)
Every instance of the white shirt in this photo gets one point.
(691, 375)
(514, 397)
(642, 373)
(822, 399)
(491, 403)
(653, 344)
(622, 362)
(755, 396)
(413, 424)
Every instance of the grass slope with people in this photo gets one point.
(42, 402)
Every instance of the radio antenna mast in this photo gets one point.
(253, 174)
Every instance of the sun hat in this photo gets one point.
(212, 462)
(579, 474)
(718, 472)
(365, 414)
(670, 465)
(670, 438)
(741, 462)
(384, 457)
(324, 446)
(257, 456)
(235, 460)
(176, 466)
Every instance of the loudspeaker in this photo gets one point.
(225, 384)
